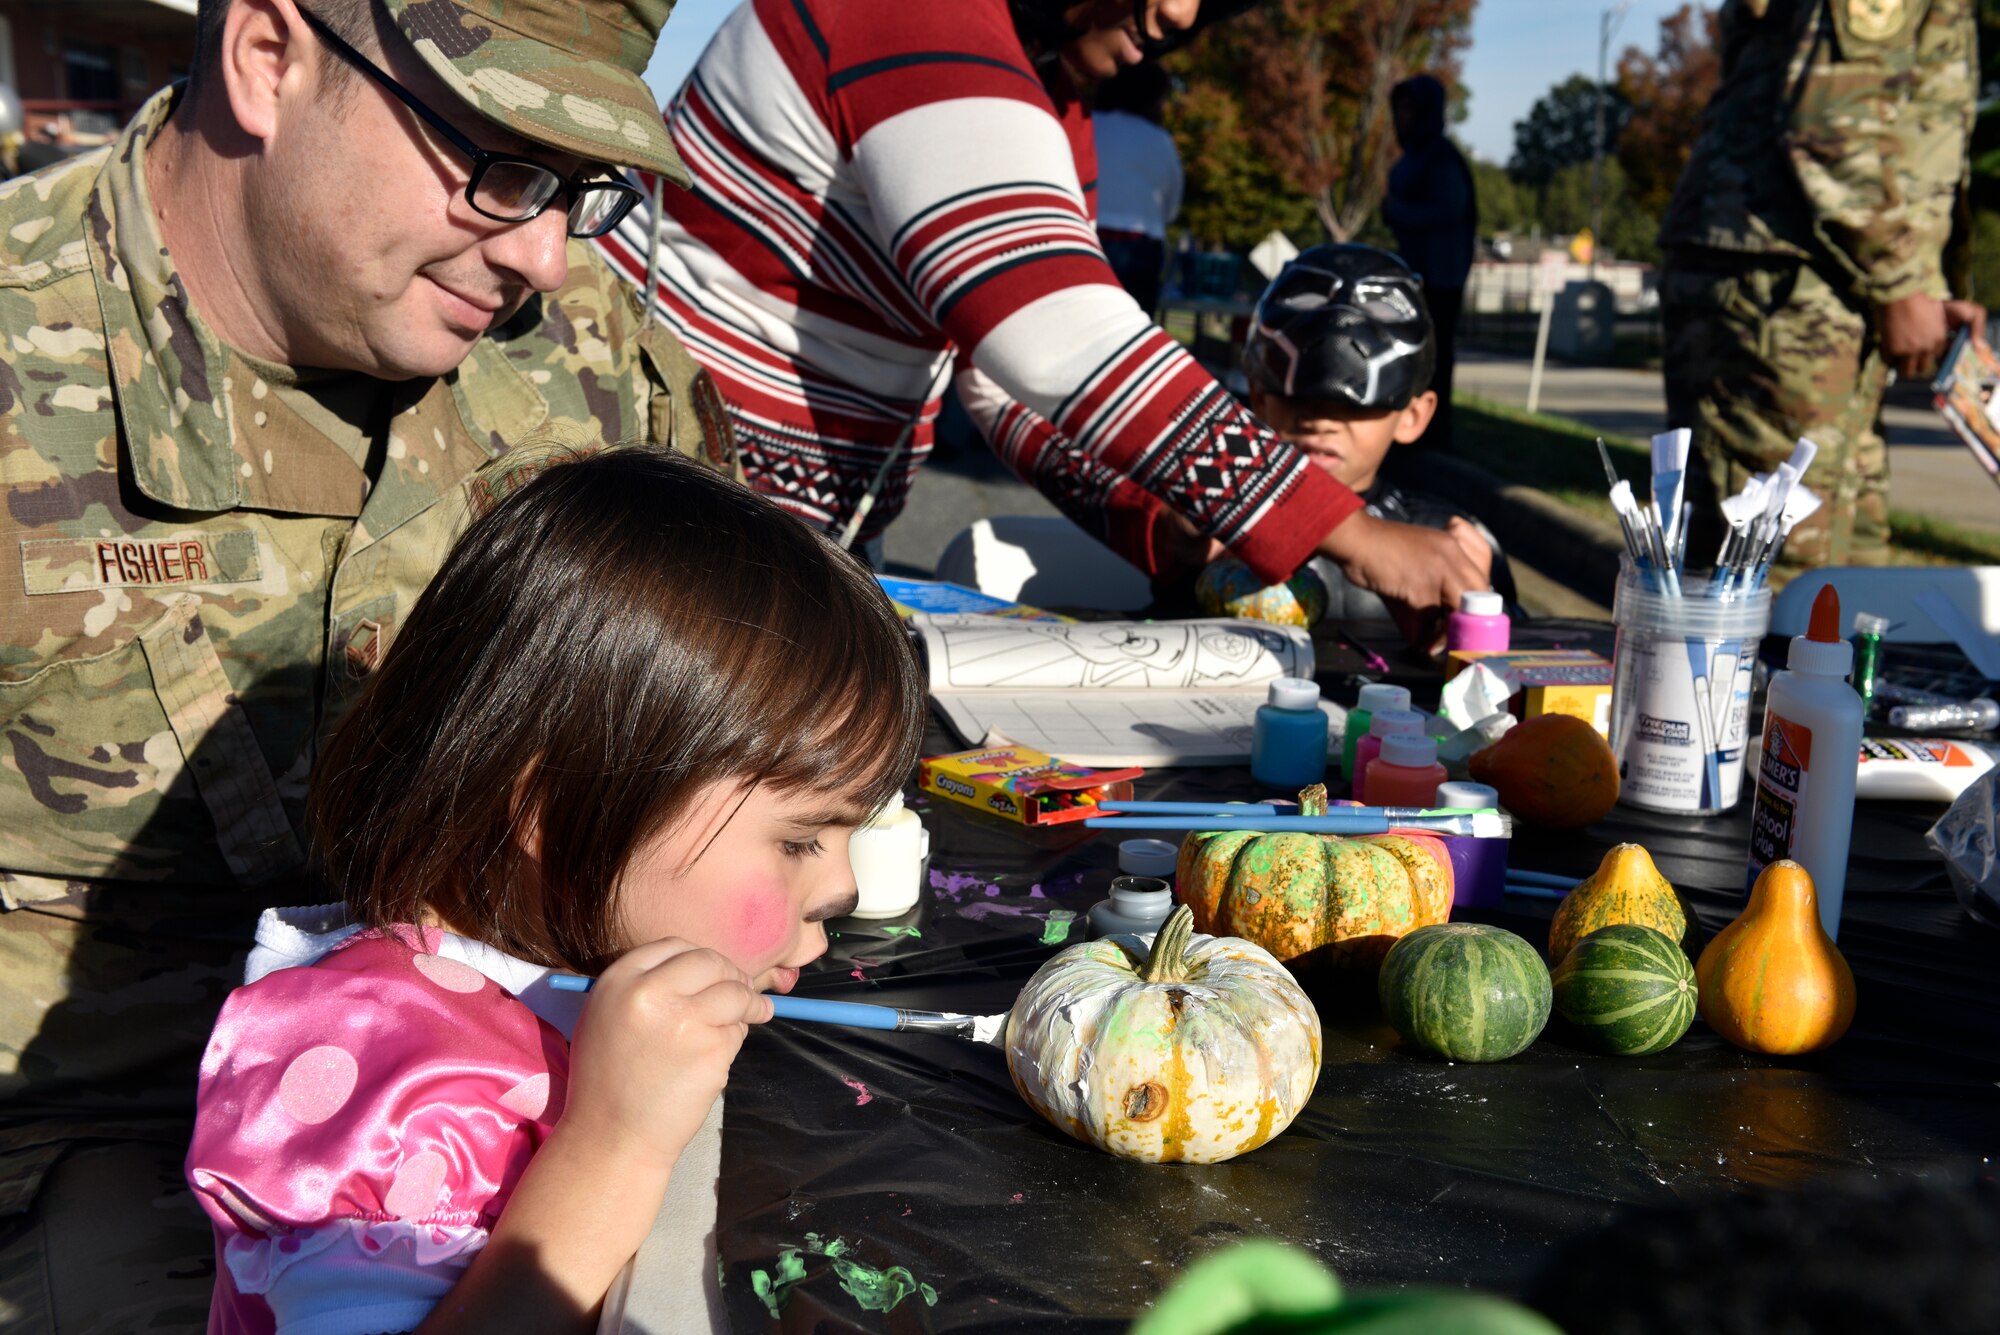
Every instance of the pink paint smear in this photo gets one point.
(861, 1095)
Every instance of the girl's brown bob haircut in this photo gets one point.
(622, 631)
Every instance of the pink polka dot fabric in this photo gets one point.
(384, 1089)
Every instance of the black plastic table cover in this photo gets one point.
(916, 1151)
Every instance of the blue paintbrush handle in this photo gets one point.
(855, 1014)
(1332, 824)
(1198, 808)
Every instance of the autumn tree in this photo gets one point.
(1668, 92)
(1293, 100)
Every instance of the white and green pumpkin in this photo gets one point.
(1198, 1050)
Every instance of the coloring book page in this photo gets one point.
(1111, 692)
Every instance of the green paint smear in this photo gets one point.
(773, 1292)
(875, 1290)
(825, 1246)
(1056, 930)
(880, 1290)
(904, 931)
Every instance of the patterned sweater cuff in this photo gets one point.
(1286, 537)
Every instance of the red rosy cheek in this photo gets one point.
(759, 922)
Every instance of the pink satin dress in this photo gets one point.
(359, 1127)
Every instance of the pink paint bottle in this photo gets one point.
(1407, 773)
(1479, 626)
(1382, 723)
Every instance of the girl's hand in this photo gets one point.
(653, 1048)
(650, 1055)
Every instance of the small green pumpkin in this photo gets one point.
(1466, 992)
(1626, 989)
(1318, 902)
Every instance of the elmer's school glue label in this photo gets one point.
(1805, 774)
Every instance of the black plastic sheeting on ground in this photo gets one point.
(916, 1151)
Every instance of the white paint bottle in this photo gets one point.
(1805, 773)
(888, 856)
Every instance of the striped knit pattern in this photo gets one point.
(881, 188)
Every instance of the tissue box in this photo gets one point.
(1020, 784)
(1576, 682)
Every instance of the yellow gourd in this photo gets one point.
(1625, 888)
(1773, 981)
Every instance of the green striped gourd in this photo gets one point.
(1627, 990)
(1465, 991)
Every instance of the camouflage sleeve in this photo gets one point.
(1878, 138)
(686, 412)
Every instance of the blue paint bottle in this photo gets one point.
(1288, 745)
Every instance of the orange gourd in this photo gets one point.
(1773, 981)
(1554, 771)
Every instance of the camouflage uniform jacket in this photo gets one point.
(1837, 136)
(204, 575)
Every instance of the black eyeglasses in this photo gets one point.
(503, 188)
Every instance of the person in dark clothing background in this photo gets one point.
(1433, 210)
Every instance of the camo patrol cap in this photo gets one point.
(566, 73)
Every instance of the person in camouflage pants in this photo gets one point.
(267, 353)
(1804, 252)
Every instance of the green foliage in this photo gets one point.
(1627, 231)
(1560, 130)
(1504, 206)
(1234, 195)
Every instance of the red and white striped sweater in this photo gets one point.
(878, 184)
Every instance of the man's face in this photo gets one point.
(376, 262)
(1112, 35)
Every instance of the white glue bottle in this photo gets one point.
(1805, 774)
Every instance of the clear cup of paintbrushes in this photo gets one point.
(1681, 680)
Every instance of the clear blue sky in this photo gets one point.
(1520, 48)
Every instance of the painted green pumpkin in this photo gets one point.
(1198, 1049)
(1226, 587)
(1626, 989)
(1465, 992)
(1320, 903)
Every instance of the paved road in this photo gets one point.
(1930, 472)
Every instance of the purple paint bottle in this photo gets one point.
(1478, 866)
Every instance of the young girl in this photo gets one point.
(627, 732)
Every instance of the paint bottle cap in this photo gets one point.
(1390, 722)
(1867, 623)
(1410, 750)
(1481, 603)
(1142, 897)
(1820, 652)
(1148, 857)
(1377, 696)
(1294, 693)
(1463, 794)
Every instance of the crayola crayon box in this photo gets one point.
(1020, 784)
